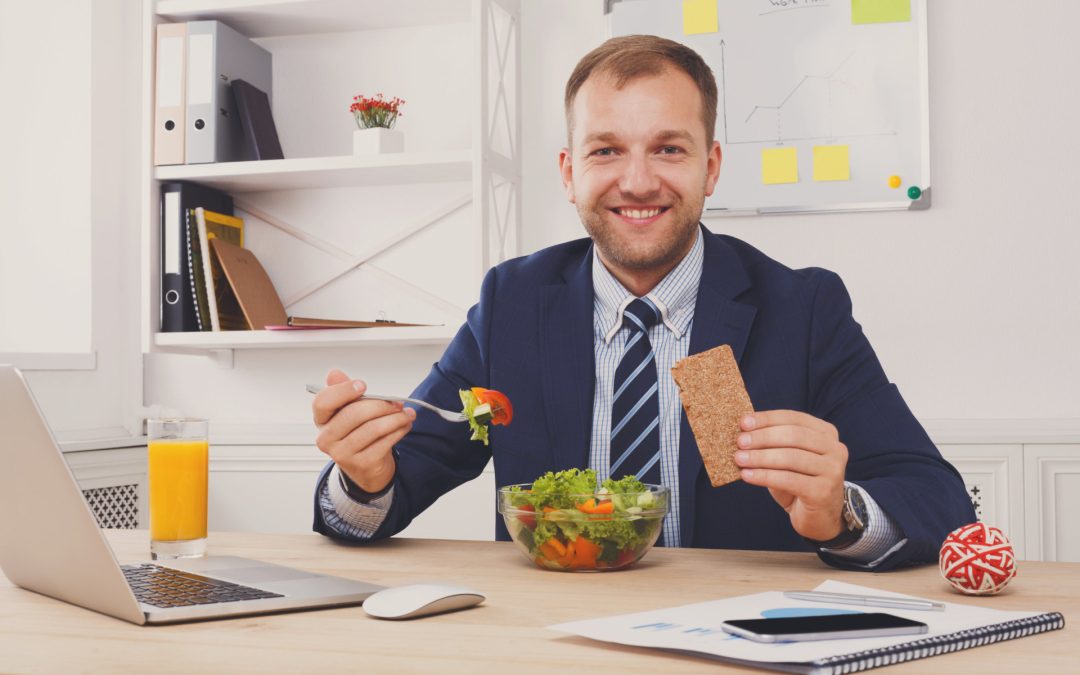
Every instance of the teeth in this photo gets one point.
(636, 213)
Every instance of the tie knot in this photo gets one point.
(641, 314)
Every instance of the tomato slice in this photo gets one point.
(501, 410)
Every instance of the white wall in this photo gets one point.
(68, 192)
(45, 145)
(973, 306)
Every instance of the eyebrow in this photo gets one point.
(665, 135)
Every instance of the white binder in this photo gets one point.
(217, 55)
(169, 104)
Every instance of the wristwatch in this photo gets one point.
(852, 520)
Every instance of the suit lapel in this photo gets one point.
(568, 366)
(718, 320)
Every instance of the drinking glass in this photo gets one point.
(178, 462)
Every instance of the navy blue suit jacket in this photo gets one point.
(798, 347)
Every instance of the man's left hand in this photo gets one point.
(801, 460)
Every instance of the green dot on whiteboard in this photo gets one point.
(914, 192)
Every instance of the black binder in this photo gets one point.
(260, 133)
(177, 302)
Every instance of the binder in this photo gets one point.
(169, 94)
(257, 120)
(217, 55)
(177, 299)
(215, 227)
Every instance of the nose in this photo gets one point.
(639, 181)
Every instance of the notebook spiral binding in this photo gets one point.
(941, 644)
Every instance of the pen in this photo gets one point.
(868, 600)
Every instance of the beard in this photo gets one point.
(662, 252)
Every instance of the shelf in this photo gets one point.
(306, 339)
(271, 18)
(323, 172)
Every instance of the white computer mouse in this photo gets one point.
(416, 600)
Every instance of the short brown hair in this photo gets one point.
(629, 57)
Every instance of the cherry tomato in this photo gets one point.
(501, 410)
(528, 521)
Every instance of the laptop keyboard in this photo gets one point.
(166, 587)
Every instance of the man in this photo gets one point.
(832, 460)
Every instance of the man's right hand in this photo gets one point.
(359, 434)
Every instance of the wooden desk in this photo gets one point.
(506, 634)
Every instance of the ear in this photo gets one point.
(712, 170)
(566, 171)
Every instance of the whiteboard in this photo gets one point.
(804, 88)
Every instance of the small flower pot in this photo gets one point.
(377, 140)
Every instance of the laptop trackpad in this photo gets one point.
(239, 570)
(260, 575)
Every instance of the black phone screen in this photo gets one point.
(832, 623)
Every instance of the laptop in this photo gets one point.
(50, 543)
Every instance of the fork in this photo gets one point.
(448, 415)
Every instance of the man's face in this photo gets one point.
(640, 169)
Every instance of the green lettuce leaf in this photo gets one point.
(479, 429)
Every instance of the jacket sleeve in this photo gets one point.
(436, 456)
(889, 453)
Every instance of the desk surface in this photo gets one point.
(507, 633)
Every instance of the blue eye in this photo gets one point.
(603, 152)
(670, 149)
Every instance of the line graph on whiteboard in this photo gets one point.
(817, 86)
(817, 107)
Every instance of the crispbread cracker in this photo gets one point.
(715, 399)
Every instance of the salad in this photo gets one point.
(562, 521)
(484, 406)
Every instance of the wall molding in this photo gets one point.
(50, 361)
(941, 431)
(1022, 431)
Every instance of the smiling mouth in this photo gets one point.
(640, 213)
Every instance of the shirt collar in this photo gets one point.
(675, 295)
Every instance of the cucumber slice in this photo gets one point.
(482, 413)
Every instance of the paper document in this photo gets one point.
(696, 628)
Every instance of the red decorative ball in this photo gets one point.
(977, 559)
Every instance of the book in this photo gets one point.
(213, 226)
(253, 291)
(260, 133)
(195, 273)
(695, 629)
(178, 301)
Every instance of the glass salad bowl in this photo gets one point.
(594, 531)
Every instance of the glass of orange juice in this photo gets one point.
(179, 458)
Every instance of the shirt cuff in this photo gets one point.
(348, 516)
(881, 538)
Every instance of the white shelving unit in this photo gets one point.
(324, 172)
(320, 43)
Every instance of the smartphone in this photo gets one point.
(823, 627)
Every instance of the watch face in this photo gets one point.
(858, 507)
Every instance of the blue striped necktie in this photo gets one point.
(635, 403)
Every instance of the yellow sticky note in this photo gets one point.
(779, 165)
(831, 162)
(699, 16)
(880, 11)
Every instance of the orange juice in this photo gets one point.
(178, 480)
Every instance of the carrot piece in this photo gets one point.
(585, 552)
(559, 547)
(587, 507)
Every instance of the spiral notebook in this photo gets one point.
(695, 629)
